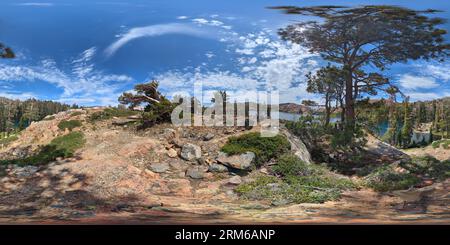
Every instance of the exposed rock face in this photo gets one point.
(297, 146)
(217, 168)
(242, 161)
(191, 152)
(159, 167)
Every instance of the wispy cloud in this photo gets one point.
(412, 82)
(35, 4)
(266, 64)
(156, 30)
(82, 84)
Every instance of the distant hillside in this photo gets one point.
(17, 114)
(294, 108)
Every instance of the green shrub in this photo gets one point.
(8, 140)
(386, 178)
(428, 166)
(276, 190)
(265, 148)
(109, 113)
(444, 143)
(289, 164)
(62, 146)
(71, 124)
(157, 113)
(49, 118)
(301, 183)
(77, 113)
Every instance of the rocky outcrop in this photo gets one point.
(242, 161)
(191, 152)
(297, 146)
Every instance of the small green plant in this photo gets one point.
(8, 140)
(49, 118)
(77, 113)
(428, 166)
(300, 183)
(290, 165)
(62, 146)
(109, 113)
(438, 143)
(265, 148)
(386, 178)
(71, 124)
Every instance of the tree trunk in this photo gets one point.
(327, 114)
(349, 102)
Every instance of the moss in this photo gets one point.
(63, 146)
(265, 148)
(71, 124)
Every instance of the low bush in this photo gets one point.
(71, 124)
(49, 118)
(265, 148)
(77, 113)
(8, 140)
(438, 143)
(291, 165)
(109, 113)
(428, 166)
(62, 146)
(386, 178)
(300, 183)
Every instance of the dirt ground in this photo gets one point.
(109, 182)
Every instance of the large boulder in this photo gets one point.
(242, 161)
(191, 152)
(298, 147)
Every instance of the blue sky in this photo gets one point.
(88, 52)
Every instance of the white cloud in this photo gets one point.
(200, 21)
(414, 96)
(155, 30)
(84, 83)
(265, 63)
(35, 4)
(411, 82)
(17, 95)
(183, 17)
(441, 71)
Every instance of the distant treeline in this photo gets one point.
(404, 118)
(17, 115)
